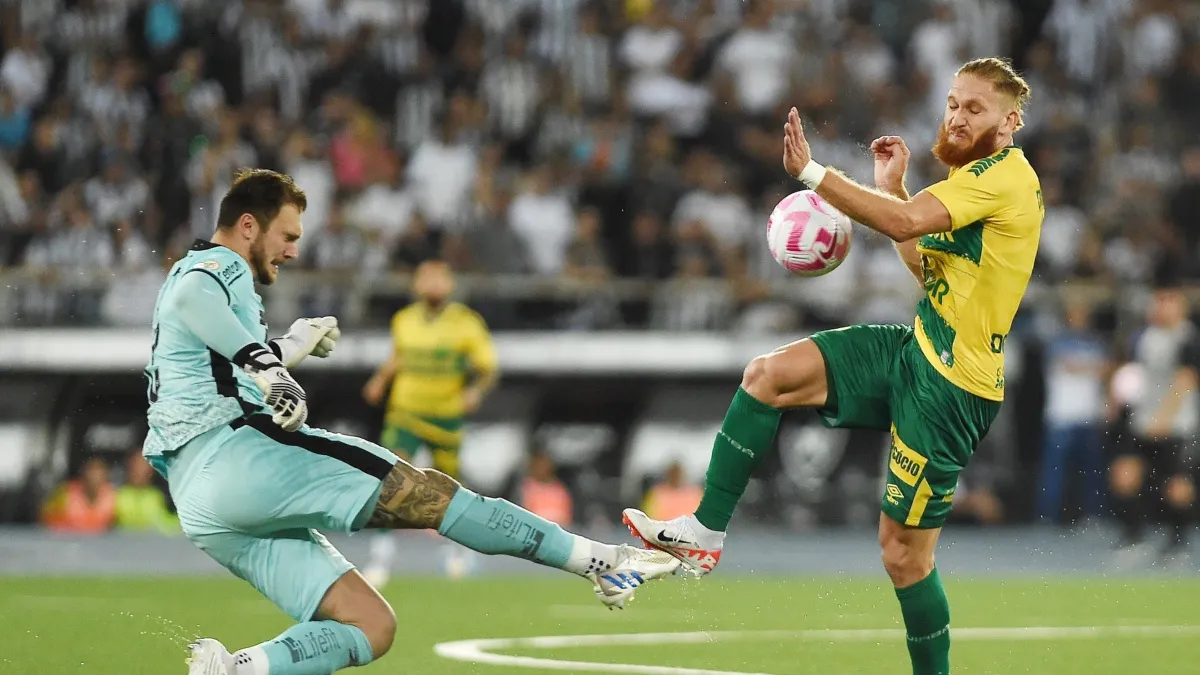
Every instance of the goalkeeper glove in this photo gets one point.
(307, 336)
(285, 398)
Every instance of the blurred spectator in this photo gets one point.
(442, 173)
(1077, 363)
(649, 253)
(489, 244)
(585, 258)
(1062, 232)
(714, 203)
(359, 155)
(139, 504)
(304, 161)
(543, 493)
(385, 205)
(14, 122)
(212, 169)
(84, 505)
(589, 69)
(541, 215)
(650, 45)
(760, 56)
(1183, 209)
(510, 87)
(336, 247)
(117, 194)
(673, 496)
(25, 72)
(690, 301)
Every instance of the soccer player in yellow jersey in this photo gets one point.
(441, 367)
(936, 386)
(442, 364)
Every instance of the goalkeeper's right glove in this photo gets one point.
(285, 398)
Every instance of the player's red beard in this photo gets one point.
(955, 156)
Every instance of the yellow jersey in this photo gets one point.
(437, 354)
(976, 274)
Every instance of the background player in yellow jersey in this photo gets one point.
(936, 386)
(441, 367)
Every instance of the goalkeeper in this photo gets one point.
(253, 483)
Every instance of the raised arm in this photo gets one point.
(899, 219)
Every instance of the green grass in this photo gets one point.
(140, 626)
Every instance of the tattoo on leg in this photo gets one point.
(412, 498)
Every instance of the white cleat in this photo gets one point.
(634, 567)
(697, 547)
(209, 657)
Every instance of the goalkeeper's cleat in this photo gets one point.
(696, 546)
(209, 657)
(634, 567)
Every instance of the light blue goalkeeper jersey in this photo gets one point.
(192, 387)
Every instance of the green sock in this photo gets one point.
(927, 619)
(745, 437)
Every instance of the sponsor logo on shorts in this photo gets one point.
(894, 494)
(905, 463)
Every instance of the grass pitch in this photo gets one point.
(140, 626)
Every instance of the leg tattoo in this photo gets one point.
(413, 498)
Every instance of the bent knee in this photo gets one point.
(905, 565)
(788, 378)
(379, 627)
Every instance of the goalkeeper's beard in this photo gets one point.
(955, 156)
(263, 273)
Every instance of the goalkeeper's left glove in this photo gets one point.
(307, 336)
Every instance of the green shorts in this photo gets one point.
(406, 433)
(879, 379)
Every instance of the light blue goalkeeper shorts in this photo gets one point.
(252, 496)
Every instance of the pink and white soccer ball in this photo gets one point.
(808, 236)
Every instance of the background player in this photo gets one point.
(1163, 416)
(442, 365)
(253, 483)
(971, 240)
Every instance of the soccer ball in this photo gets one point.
(808, 236)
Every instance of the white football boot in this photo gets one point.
(697, 547)
(209, 657)
(634, 567)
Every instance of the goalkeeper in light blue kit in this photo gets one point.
(254, 484)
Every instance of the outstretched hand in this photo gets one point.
(796, 153)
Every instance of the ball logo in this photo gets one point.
(806, 235)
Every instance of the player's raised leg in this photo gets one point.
(789, 377)
(412, 498)
(842, 373)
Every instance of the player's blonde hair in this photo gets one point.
(1004, 78)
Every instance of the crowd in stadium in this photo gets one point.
(564, 138)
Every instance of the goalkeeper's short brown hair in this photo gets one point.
(262, 193)
(1004, 78)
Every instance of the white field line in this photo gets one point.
(481, 651)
